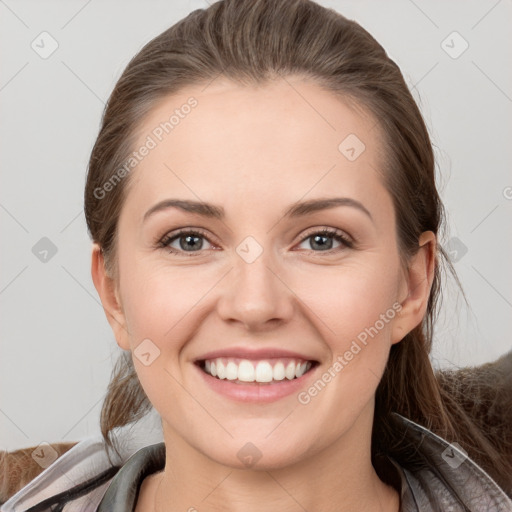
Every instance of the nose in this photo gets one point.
(255, 294)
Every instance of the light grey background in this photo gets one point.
(57, 348)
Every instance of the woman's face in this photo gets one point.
(258, 279)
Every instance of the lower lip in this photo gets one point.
(254, 391)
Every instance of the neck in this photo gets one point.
(339, 478)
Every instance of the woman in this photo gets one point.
(262, 203)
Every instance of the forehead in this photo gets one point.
(283, 140)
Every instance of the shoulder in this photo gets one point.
(437, 475)
(123, 492)
(83, 474)
(19, 467)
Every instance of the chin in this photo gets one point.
(258, 455)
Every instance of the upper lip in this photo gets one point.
(260, 353)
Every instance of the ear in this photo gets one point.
(418, 283)
(109, 295)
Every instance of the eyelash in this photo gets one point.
(339, 236)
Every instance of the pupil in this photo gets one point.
(321, 246)
(188, 239)
(318, 240)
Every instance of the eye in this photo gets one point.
(189, 242)
(322, 240)
(185, 239)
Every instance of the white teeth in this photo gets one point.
(251, 371)
(246, 371)
(290, 370)
(301, 369)
(278, 371)
(264, 372)
(221, 371)
(231, 371)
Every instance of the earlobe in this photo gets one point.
(419, 278)
(109, 296)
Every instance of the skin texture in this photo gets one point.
(255, 151)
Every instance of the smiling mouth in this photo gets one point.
(265, 371)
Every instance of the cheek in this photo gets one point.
(161, 309)
(352, 297)
(356, 317)
(158, 297)
(164, 302)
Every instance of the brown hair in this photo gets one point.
(251, 42)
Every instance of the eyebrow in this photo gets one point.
(296, 210)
